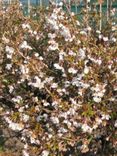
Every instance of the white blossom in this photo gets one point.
(41, 58)
(24, 45)
(97, 60)
(83, 33)
(17, 99)
(26, 146)
(45, 153)
(100, 36)
(35, 32)
(8, 66)
(11, 88)
(60, 4)
(78, 23)
(81, 53)
(88, 28)
(53, 45)
(24, 70)
(24, 26)
(98, 32)
(37, 84)
(6, 40)
(114, 28)
(54, 85)
(51, 36)
(115, 124)
(114, 39)
(72, 70)
(16, 126)
(10, 50)
(21, 109)
(36, 54)
(57, 66)
(97, 99)
(68, 123)
(65, 33)
(105, 117)
(86, 70)
(55, 120)
(62, 130)
(98, 92)
(53, 24)
(34, 140)
(25, 117)
(105, 39)
(46, 103)
(71, 53)
(25, 153)
(86, 128)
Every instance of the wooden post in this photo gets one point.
(76, 7)
(109, 7)
(87, 16)
(0, 4)
(107, 10)
(40, 3)
(100, 3)
(69, 5)
(100, 17)
(29, 8)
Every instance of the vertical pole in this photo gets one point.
(109, 7)
(40, 3)
(86, 6)
(0, 4)
(100, 16)
(29, 8)
(76, 7)
(69, 5)
(36, 2)
(107, 10)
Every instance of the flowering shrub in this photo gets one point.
(58, 83)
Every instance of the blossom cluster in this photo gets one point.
(61, 81)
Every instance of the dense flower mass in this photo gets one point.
(58, 78)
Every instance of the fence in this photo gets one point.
(73, 5)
